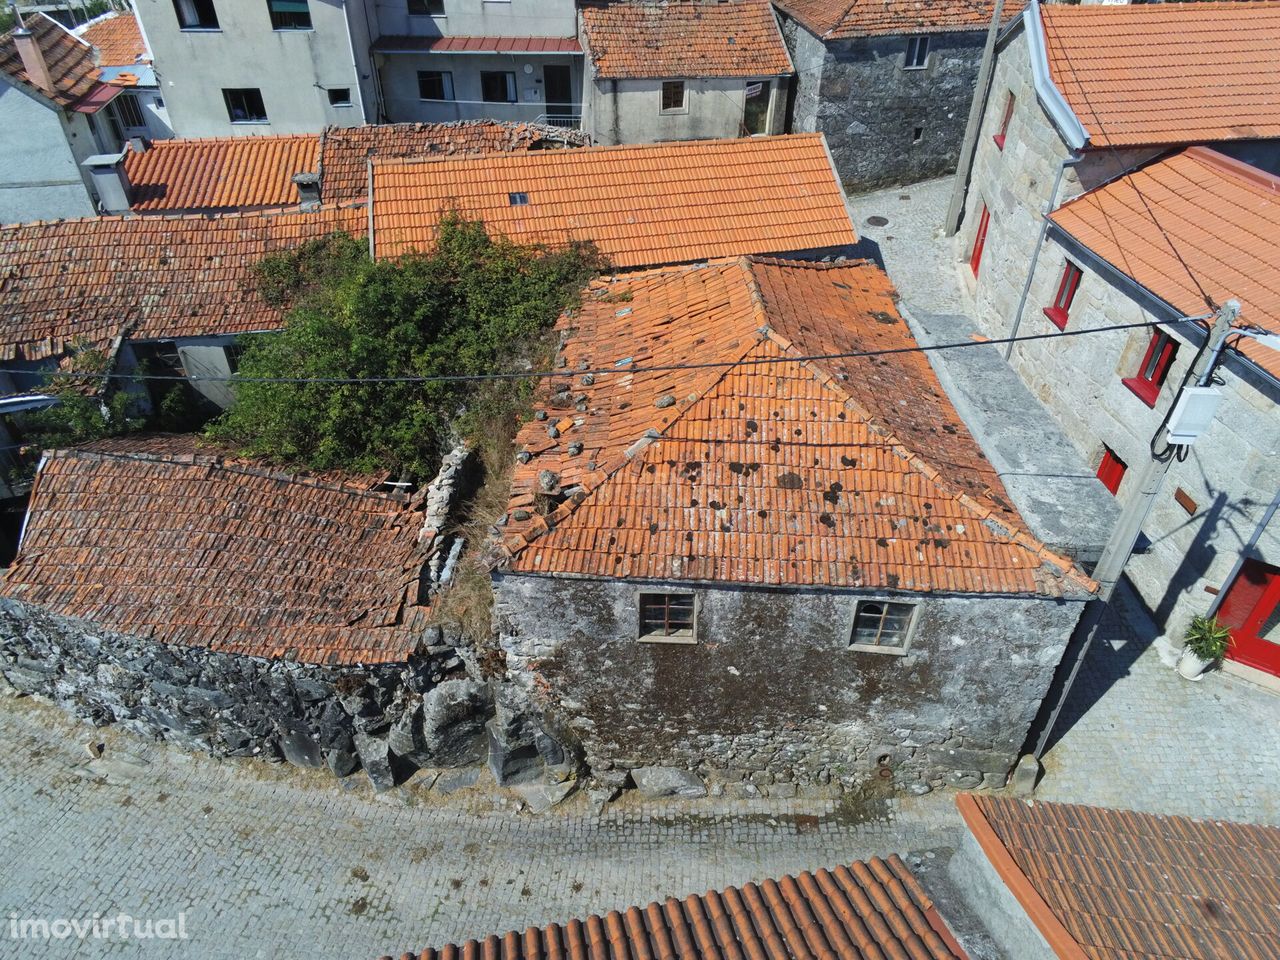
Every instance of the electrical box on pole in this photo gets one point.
(1192, 414)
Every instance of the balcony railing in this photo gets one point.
(567, 116)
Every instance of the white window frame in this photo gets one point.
(908, 634)
(513, 92)
(913, 46)
(684, 99)
(683, 638)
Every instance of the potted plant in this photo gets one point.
(1206, 641)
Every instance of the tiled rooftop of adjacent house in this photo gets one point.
(70, 61)
(1110, 884)
(642, 205)
(690, 439)
(875, 908)
(1196, 229)
(156, 277)
(159, 540)
(684, 38)
(118, 40)
(843, 19)
(1168, 73)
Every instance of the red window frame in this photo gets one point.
(979, 240)
(999, 138)
(1057, 313)
(1111, 470)
(1154, 368)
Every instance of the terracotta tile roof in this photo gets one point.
(845, 19)
(118, 40)
(183, 547)
(1193, 224)
(1168, 72)
(642, 205)
(220, 173)
(70, 60)
(765, 467)
(1117, 885)
(156, 277)
(344, 151)
(875, 908)
(389, 43)
(684, 38)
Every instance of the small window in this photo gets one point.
(882, 627)
(129, 111)
(917, 53)
(1154, 368)
(1061, 306)
(196, 14)
(1111, 470)
(497, 86)
(999, 138)
(426, 8)
(244, 105)
(289, 14)
(435, 85)
(668, 617)
(518, 199)
(673, 96)
(917, 134)
(340, 97)
(979, 240)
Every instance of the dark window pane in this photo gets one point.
(497, 87)
(289, 14)
(244, 105)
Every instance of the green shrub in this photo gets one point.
(1207, 638)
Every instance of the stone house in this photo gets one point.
(765, 567)
(683, 70)
(124, 60)
(1140, 230)
(888, 83)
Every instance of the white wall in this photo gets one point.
(629, 111)
(399, 74)
(482, 18)
(40, 177)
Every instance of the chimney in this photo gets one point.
(33, 59)
(308, 185)
(110, 181)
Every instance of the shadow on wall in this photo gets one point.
(867, 249)
(1198, 558)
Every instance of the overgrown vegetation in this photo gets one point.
(474, 305)
(87, 409)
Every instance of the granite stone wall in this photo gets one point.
(771, 697)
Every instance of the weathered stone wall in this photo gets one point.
(870, 107)
(771, 694)
(425, 712)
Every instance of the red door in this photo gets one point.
(1251, 608)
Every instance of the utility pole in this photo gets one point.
(971, 130)
(1119, 547)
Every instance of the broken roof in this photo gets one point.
(156, 539)
(1104, 884)
(868, 909)
(843, 19)
(684, 38)
(641, 205)
(69, 59)
(117, 39)
(1167, 73)
(691, 438)
(153, 277)
(1196, 229)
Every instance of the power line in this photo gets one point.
(625, 366)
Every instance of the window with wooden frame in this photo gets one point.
(668, 618)
(1061, 307)
(999, 138)
(880, 626)
(1111, 470)
(674, 96)
(979, 240)
(1154, 369)
(917, 55)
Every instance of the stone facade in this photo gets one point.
(884, 124)
(771, 695)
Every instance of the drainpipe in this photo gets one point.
(1049, 207)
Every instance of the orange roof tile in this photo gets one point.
(172, 544)
(1110, 884)
(1193, 226)
(843, 19)
(869, 909)
(220, 173)
(156, 277)
(70, 60)
(1167, 73)
(118, 40)
(684, 38)
(642, 205)
(709, 448)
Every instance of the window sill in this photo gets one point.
(342, 106)
(999, 139)
(200, 29)
(907, 69)
(1144, 390)
(870, 648)
(679, 639)
(674, 113)
(293, 29)
(1057, 316)
(250, 123)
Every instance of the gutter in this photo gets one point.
(1051, 99)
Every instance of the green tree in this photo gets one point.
(474, 304)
